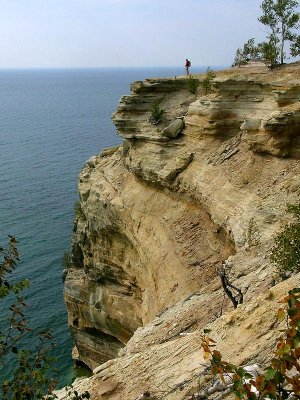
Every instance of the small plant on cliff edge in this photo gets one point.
(78, 210)
(66, 261)
(193, 84)
(207, 81)
(286, 252)
(157, 114)
(279, 380)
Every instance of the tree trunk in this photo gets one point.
(282, 42)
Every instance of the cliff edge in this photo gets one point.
(206, 187)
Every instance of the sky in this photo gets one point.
(123, 33)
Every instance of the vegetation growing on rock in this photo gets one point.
(207, 81)
(157, 114)
(193, 84)
(279, 380)
(286, 252)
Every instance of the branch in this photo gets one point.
(235, 299)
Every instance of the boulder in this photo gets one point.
(173, 129)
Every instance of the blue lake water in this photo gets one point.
(51, 122)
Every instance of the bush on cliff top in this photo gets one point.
(207, 81)
(193, 84)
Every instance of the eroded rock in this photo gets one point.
(160, 214)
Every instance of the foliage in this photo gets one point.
(78, 210)
(16, 323)
(267, 52)
(66, 260)
(281, 377)
(193, 84)
(32, 376)
(74, 395)
(253, 235)
(286, 252)
(295, 47)
(207, 81)
(247, 52)
(157, 114)
(270, 51)
(281, 19)
(30, 379)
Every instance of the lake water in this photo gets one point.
(51, 122)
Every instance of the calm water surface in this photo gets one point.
(51, 122)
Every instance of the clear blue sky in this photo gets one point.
(97, 33)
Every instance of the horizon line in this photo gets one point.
(111, 67)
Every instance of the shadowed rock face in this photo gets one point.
(175, 201)
(143, 250)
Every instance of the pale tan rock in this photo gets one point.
(160, 214)
(173, 129)
(108, 387)
(175, 366)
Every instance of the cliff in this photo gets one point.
(207, 186)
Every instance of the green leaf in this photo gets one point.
(270, 373)
(287, 348)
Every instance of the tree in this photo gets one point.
(295, 47)
(281, 17)
(30, 379)
(248, 51)
(270, 51)
(32, 376)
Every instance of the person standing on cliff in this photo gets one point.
(187, 66)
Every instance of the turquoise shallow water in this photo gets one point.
(51, 122)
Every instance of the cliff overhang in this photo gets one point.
(160, 213)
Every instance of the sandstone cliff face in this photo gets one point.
(207, 186)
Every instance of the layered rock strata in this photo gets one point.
(205, 187)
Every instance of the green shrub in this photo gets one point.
(207, 81)
(193, 84)
(78, 210)
(157, 114)
(285, 254)
(66, 262)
